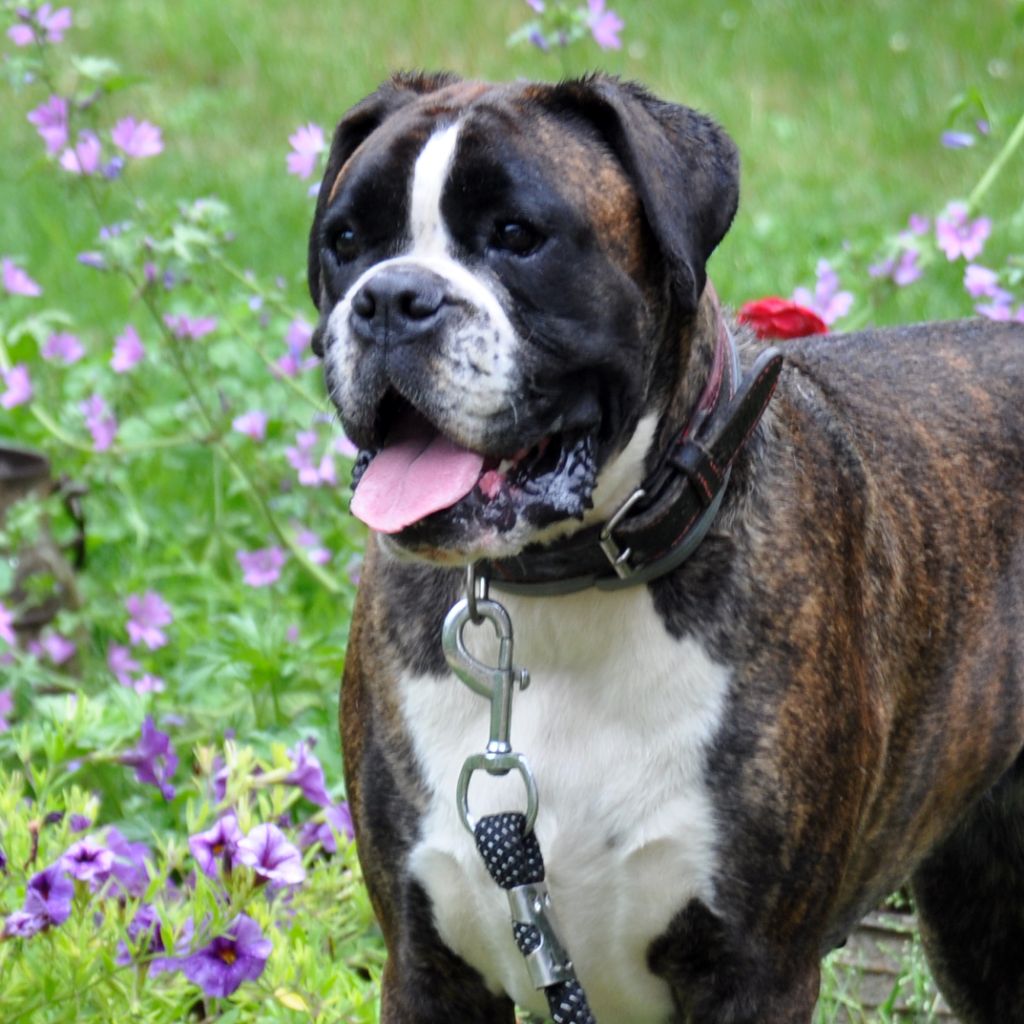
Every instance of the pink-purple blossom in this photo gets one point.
(827, 300)
(190, 327)
(216, 848)
(313, 545)
(605, 25)
(7, 633)
(84, 156)
(46, 25)
(338, 820)
(271, 856)
(957, 235)
(149, 613)
(307, 144)
(957, 140)
(311, 472)
(297, 358)
(153, 759)
(137, 139)
(981, 282)
(261, 567)
(100, 421)
(252, 423)
(88, 861)
(121, 663)
(63, 347)
(903, 269)
(131, 869)
(55, 648)
(128, 350)
(51, 121)
(220, 967)
(308, 774)
(17, 281)
(18, 386)
(47, 903)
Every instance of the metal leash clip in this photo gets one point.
(496, 683)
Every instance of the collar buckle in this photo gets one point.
(618, 558)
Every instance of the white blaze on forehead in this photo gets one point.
(426, 226)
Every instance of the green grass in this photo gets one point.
(837, 110)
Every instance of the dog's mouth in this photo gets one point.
(418, 478)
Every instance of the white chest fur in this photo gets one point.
(615, 724)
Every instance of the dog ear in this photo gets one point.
(354, 128)
(684, 166)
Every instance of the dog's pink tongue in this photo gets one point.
(415, 474)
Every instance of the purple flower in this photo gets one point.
(17, 281)
(315, 551)
(537, 5)
(128, 350)
(194, 327)
(149, 613)
(903, 269)
(253, 424)
(957, 140)
(307, 144)
(7, 633)
(261, 567)
(154, 759)
(958, 236)
(56, 648)
(827, 301)
(217, 846)
(130, 871)
(1001, 308)
(307, 774)
(121, 663)
(84, 157)
(100, 420)
(297, 360)
(311, 473)
(63, 347)
(6, 707)
(93, 259)
(339, 820)
(981, 282)
(239, 955)
(22, 925)
(48, 896)
(88, 861)
(271, 856)
(18, 386)
(605, 25)
(918, 224)
(148, 683)
(138, 139)
(51, 121)
(50, 25)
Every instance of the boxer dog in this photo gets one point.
(740, 752)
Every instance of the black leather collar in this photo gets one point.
(664, 520)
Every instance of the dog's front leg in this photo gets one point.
(722, 975)
(424, 982)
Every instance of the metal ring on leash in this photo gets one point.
(497, 764)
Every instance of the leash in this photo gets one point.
(507, 842)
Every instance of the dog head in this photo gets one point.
(504, 273)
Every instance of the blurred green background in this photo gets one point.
(837, 109)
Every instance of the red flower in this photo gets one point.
(773, 318)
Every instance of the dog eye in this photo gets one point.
(345, 244)
(516, 237)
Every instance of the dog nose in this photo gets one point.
(398, 305)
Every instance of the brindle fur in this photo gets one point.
(865, 580)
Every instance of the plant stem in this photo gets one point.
(996, 167)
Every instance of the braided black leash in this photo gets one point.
(513, 859)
